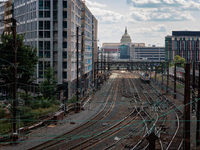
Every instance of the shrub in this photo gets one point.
(2, 113)
(35, 104)
(45, 104)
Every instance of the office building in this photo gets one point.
(50, 26)
(186, 44)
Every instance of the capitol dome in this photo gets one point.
(126, 38)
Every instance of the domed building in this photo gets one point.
(126, 38)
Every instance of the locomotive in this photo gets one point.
(144, 77)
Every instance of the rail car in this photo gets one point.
(144, 77)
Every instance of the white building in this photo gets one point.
(50, 26)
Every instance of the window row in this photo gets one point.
(31, 15)
(44, 65)
(44, 14)
(31, 26)
(44, 54)
(44, 45)
(44, 25)
(31, 35)
(44, 4)
(44, 34)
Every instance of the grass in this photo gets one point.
(27, 119)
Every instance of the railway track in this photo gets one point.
(58, 141)
(141, 121)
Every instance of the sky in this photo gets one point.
(147, 21)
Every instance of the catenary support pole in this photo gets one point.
(198, 112)
(162, 77)
(175, 81)
(77, 69)
(14, 71)
(155, 73)
(97, 70)
(193, 87)
(101, 61)
(104, 62)
(186, 129)
(167, 91)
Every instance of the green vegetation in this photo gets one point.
(26, 57)
(31, 107)
(179, 86)
(49, 86)
(178, 59)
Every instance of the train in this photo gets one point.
(145, 77)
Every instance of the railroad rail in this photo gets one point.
(69, 135)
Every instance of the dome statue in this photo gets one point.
(126, 38)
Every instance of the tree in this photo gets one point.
(178, 59)
(48, 88)
(27, 60)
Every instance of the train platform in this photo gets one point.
(70, 122)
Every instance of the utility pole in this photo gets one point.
(152, 139)
(108, 61)
(175, 81)
(186, 129)
(77, 68)
(155, 73)
(104, 62)
(82, 65)
(14, 71)
(162, 77)
(198, 113)
(167, 78)
(101, 61)
(97, 69)
(193, 88)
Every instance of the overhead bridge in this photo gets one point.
(127, 65)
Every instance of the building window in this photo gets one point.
(64, 65)
(47, 45)
(40, 34)
(47, 54)
(40, 45)
(64, 54)
(40, 4)
(40, 24)
(64, 44)
(40, 74)
(64, 14)
(65, 4)
(47, 5)
(55, 4)
(65, 34)
(40, 14)
(40, 65)
(46, 65)
(65, 75)
(47, 14)
(64, 24)
(41, 54)
(46, 34)
(47, 25)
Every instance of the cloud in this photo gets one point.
(144, 30)
(102, 14)
(157, 14)
(107, 15)
(94, 4)
(182, 5)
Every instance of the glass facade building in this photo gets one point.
(182, 43)
(50, 26)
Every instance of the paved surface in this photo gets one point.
(45, 134)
